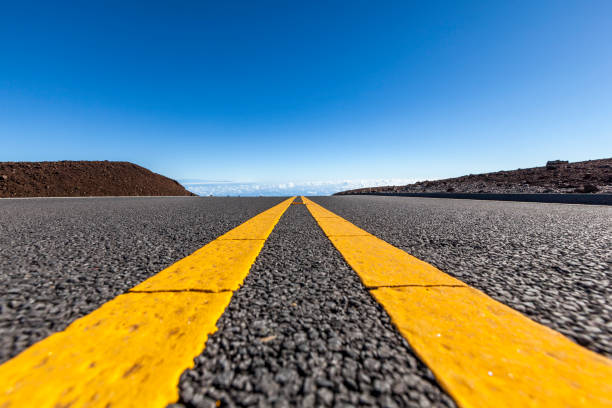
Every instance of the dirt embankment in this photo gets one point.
(82, 179)
(593, 176)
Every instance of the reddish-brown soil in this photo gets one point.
(593, 176)
(83, 179)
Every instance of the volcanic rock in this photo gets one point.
(558, 176)
(83, 179)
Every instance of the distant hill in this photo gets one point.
(83, 179)
(592, 176)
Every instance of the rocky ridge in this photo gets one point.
(83, 179)
(558, 176)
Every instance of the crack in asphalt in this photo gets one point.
(415, 286)
(180, 290)
(550, 262)
(303, 331)
(62, 258)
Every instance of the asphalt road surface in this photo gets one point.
(551, 262)
(303, 331)
(61, 258)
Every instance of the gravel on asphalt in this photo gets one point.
(303, 331)
(62, 258)
(551, 262)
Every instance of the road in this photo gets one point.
(303, 330)
(62, 258)
(550, 261)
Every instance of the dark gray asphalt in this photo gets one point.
(304, 332)
(62, 258)
(550, 261)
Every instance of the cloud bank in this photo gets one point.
(312, 188)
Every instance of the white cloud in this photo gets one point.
(325, 187)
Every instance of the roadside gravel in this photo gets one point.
(62, 258)
(552, 262)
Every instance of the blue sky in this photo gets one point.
(310, 93)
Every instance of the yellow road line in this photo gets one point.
(482, 352)
(132, 350)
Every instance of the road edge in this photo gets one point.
(591, 199)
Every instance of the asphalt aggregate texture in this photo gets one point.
(60, 259)
(303, 331)
(552, 262)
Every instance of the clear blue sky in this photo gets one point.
(266, 91)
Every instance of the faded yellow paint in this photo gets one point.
(131, 351)
(482, 352)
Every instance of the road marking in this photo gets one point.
(132, 350)
(482, 352)
(381, 264)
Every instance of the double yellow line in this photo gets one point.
(482, 352)
(132, 350)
